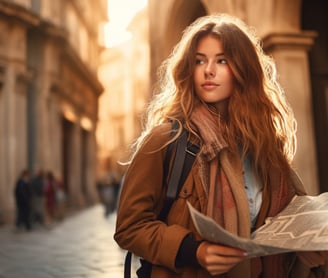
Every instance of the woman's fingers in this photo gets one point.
(217, 259)
(216, 249)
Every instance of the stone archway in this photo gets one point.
(167, 26)
(181, 15)
(289, 45)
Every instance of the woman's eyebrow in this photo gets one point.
(204, 55)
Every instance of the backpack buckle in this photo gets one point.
(193, 153)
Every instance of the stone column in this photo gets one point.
(8, 172)
(289, 51)
(91, 167)
(74, 175)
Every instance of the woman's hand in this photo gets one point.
(313, 259)
(217, 259)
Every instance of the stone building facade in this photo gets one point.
(294, 33)
(49, 53)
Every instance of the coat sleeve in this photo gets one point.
(137, 227)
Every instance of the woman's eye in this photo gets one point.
(199, 61)
(222, 61)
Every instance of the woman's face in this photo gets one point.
(213, 79)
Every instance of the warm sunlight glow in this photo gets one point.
(120, 13)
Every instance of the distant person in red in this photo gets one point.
(50, 195)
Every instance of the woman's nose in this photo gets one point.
(210, 70)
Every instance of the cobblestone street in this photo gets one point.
(81, 245)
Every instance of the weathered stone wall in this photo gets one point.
(49, 55)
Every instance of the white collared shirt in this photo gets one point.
(253, 190)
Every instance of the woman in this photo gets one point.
(222, 89)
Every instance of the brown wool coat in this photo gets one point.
(138, 229)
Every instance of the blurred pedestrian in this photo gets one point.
(23, 200)
(37, 186)
(106, 196)
(50, 196)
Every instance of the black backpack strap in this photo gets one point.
(190, 155)
(177, 168)
(127, 265)
(183, 161)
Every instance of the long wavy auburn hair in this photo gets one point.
(260, 120)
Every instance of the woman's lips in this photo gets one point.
(209, 85)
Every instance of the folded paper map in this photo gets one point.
(301, 226)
